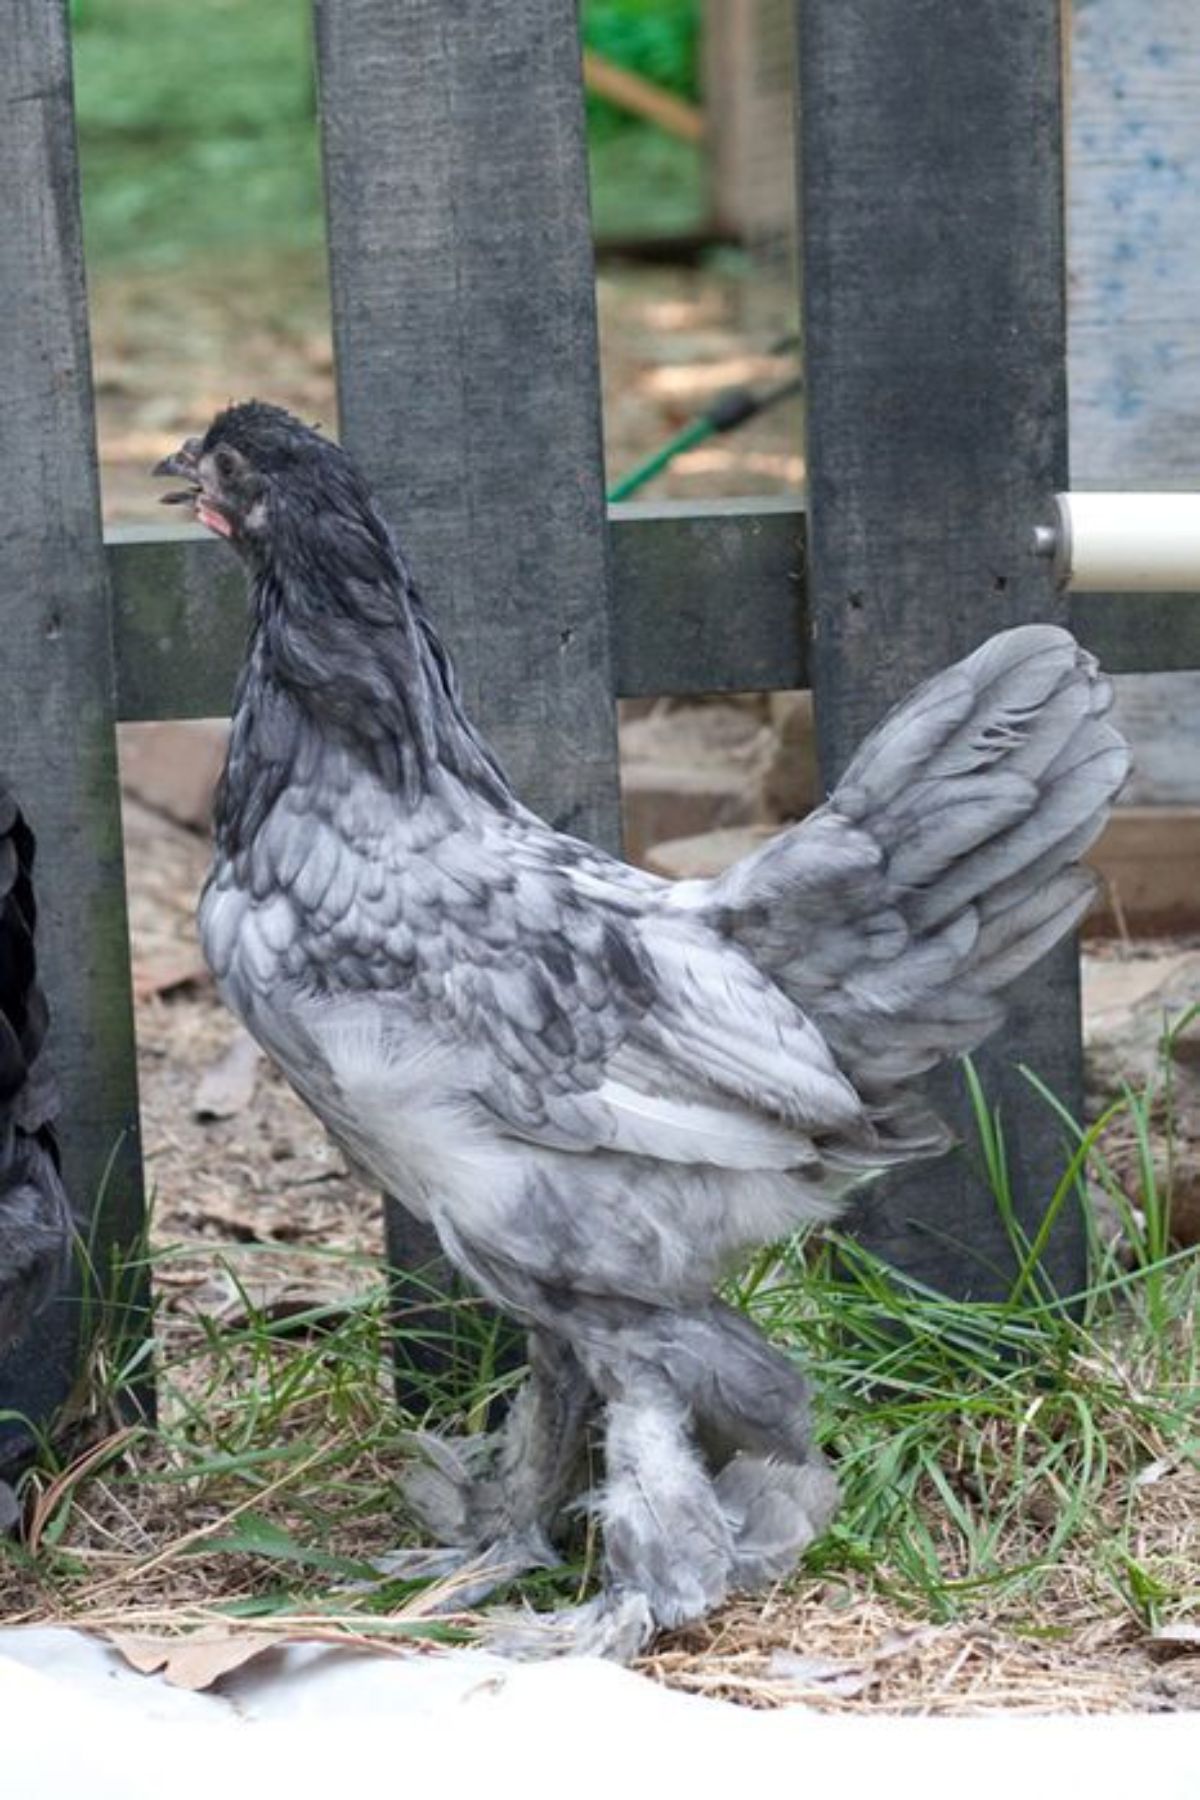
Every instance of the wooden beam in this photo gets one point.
(1149, 861)
(633, 93)
(1133, 222)
(706, 600)
(931, 218)
(57, 749)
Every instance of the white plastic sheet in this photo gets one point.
(308, 1721)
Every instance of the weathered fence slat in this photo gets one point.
(468, 382)
(931, 221)
(56, 727)
(465, 336)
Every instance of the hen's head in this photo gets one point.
(258, 475)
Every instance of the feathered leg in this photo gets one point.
(665, 1535)
(668, 1550)
(751, 1401)
(494, 1499)
(750, 1405)
(678, 1539)
(685, 1392)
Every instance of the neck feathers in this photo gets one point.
(343, 652)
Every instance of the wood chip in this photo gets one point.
(166, 974)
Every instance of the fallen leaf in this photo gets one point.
(899, 1643)
(228, 1087)
(194, 1662)
(1182, 1636)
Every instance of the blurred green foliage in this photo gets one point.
(644, 183)
(196, 126)
(197, 132)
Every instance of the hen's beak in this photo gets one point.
(183, 463)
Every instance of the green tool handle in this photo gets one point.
(729, 410)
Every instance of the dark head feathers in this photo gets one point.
(340, 630)
(268, 436)
(277, 444)
(312, 487)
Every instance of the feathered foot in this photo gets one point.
(464, 1578)
(615, 1625)
(443, 1486)
(774, 1510)
(511, 1484)
(447, 1494)
(493, 1500)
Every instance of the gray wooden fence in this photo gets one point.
(467, 374)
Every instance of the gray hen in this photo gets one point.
(599, 1087)
(35, 1219)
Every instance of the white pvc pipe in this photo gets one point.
(1126, 543)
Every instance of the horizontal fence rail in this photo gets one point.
(707, 599)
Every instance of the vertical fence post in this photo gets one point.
(932, 259)
(468, 384)
(57, 746)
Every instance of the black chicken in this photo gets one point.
(35, 1218)
(600, 1087)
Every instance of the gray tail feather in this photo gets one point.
(944, 864)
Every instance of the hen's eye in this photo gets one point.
(225, 464)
